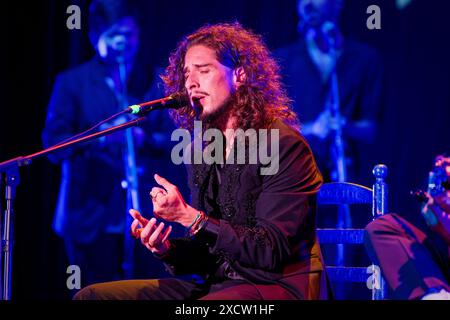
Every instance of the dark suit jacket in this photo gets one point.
(261, 226)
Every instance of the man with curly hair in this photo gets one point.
(250, 236)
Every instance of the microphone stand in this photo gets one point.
(132, 185)
(10, 178)
(339, 172)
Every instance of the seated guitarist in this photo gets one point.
(416, 263)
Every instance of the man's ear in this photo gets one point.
(239, 76)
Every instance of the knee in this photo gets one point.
(89, 293)
(380, 229)
(382, 225)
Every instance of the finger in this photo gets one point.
(154, 236)
(138, 233)
(155, 191)
(166, 234)
(159, 202)
(425, 208)
(134, 227)
(136, 215)
(163, 182)
(147, 231)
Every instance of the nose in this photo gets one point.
(192, 82)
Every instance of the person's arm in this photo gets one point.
(371, 104)
(282, 212)
(180, 256)
(61, 117)
(67, 117)
(361, 130)
(358, 130)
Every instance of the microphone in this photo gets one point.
(174, 101)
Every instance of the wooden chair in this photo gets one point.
(345, 193)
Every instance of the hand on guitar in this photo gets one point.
(440, 206)
(438, 198)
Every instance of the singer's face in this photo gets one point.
(208, 82)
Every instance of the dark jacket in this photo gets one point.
(260, 226)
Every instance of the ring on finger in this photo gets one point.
(158, 192)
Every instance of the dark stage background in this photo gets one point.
(37, 44)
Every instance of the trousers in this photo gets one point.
(180, 289)
(413, 262)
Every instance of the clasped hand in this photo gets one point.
(169, 205)
(324, 123)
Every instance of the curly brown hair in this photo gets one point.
(259, 101)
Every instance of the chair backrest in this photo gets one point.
(346, 193)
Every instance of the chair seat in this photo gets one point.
(341, 236)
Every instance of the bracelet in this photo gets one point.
(198, 223)
(201, 216)
(195, 220)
